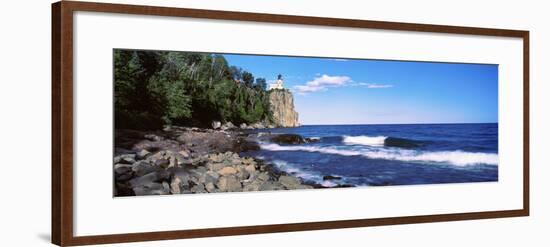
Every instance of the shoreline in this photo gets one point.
(190, 160)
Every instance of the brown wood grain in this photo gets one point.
(62, 121)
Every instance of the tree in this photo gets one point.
(155, 88)
(248, 79)
(261, 84)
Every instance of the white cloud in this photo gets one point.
(373, 85)
(321, 83)
(340, 59)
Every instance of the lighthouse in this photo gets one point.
(278, 84)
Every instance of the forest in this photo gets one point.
(157, 88)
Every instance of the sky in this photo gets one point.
(351, 91)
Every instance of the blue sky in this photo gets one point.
(346, 91)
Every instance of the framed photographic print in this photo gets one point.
(172, 123)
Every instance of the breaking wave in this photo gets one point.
(381, 141)
(365, 140)
(458, 158)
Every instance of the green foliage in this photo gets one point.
(183, 88)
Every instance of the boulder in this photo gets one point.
(141, 168)
(199, 188)
(153, 137)
(254, 186)
(157, 176)
(250, 168)
(215, 166)
(201, 169)
(227, 126)
(216, 125)
(228, 170)
(263, 176)
(152, 189)
(216, 157)
(122, 168)
(164, 163)
(122, 189)
(210, 187)
(229, 184)
(123, 172)
(242, 173)
(175, 185)
(244, 144)
(184, 153)
(209, 177)
(287, 139)
(290, 182)
(271, 185)
(125, 159)
(179, 180)
(142, 154)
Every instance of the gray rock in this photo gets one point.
(156, 156)
(210, 187)
(209, 177)
(216, 158)
(254, 186)
(250, 168)
(263, 176)
(201, 169)
(272, 185)
(199, 188)
(227, 126)
(228, 170)
(184, 153)
(216, 125)
(122, 168)
(123, 172)
(215, 166)
(175, 185)
(290, 182)
(149, 178)
(242, 173)
(164, 163)
(153, 137)
(151, 189)
(180, 180)
(229, 184)
(125, 158)
(288, 139)
(142, 154)
(141, 168)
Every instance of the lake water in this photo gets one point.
(371, 155)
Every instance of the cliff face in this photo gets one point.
(282, 107)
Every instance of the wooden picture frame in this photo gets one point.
(63, 112)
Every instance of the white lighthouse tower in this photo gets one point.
(278, 84)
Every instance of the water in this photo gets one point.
(370, 155)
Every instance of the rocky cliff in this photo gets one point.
(282, 106)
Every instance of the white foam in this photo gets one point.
(458, 158)
(365, 140)
(291, 169)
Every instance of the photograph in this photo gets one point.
(188, 122)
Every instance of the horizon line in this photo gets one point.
(395, 123)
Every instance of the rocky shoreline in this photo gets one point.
(182, 160)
